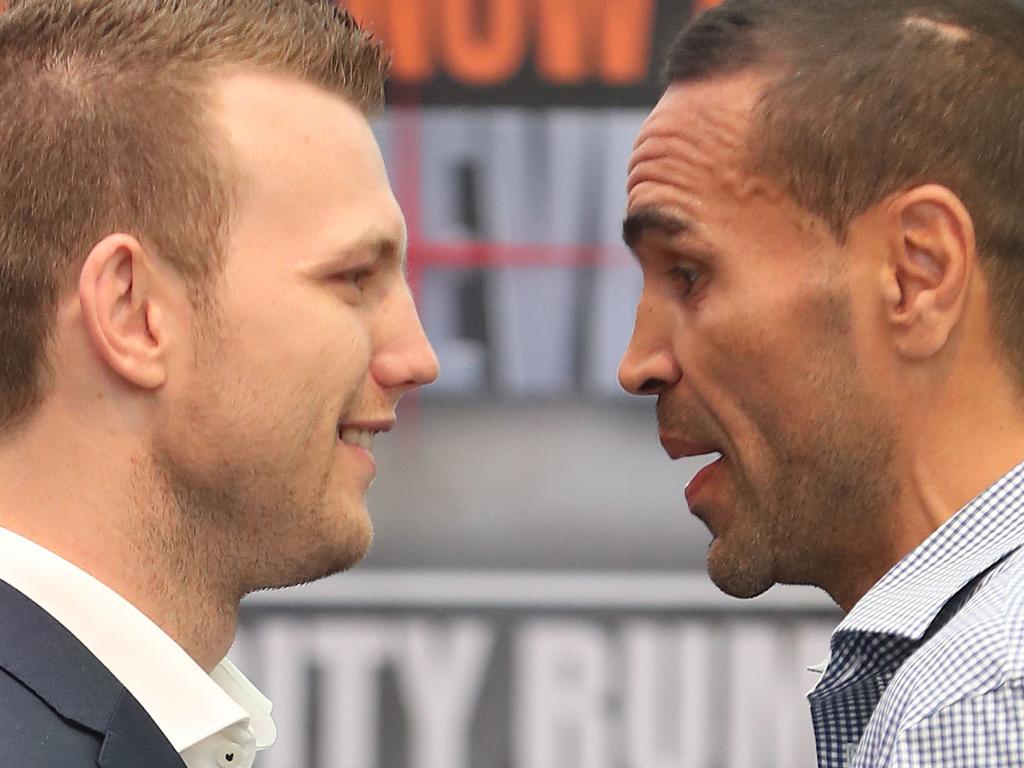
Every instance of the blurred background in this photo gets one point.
(536, 595)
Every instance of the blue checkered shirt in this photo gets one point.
(927, 670)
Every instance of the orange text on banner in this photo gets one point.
(486, 42)
(483, 56)
(574, 34)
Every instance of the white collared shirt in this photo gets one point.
(216, 720)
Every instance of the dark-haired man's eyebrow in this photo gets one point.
(639, 223)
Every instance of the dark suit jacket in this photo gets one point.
(59, 706)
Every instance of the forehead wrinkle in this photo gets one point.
(660, 171)
(714, 127)
(671, 161)
(693, 152)
(685, 168)
(677, 143)
(700, 147)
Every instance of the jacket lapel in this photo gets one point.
(134, 740)
(37, 650)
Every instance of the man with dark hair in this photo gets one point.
(204, 321)
(826, 208)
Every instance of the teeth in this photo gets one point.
(361, 437)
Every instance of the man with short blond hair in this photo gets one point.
(204, 321)
(826, 208)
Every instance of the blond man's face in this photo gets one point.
(316, 337)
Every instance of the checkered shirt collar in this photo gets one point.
(907, 599)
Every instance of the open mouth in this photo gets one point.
(704, 476)
(678, 448)
(363, 438)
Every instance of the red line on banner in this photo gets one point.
(483, 254)
(408, 181)
(425, 254)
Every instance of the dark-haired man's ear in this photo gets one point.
(116, 293)
(932, 258)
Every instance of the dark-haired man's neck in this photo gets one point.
(949, 455)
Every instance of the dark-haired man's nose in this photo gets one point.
(649, 364)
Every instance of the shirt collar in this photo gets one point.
(907, 599)
(186, 703)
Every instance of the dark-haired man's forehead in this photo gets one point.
(694, 145)
(697, 131)
(683, 107)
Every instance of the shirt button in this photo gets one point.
(231, 756)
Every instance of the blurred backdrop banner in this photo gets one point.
(536, 595)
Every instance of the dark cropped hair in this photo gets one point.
(865, 98)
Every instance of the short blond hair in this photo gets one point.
(104, 128)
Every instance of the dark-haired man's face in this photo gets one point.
(745, 332)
